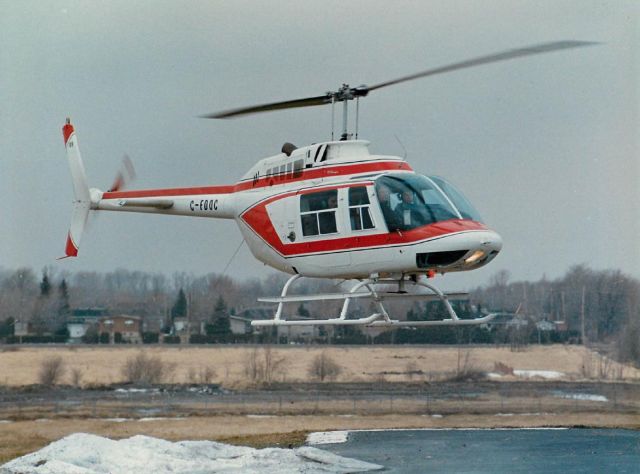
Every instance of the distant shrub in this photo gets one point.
(51, 371)
(324, 367)
(144, 369)
(204, 374)
(117, 338)
(171, 339)
(200, 339)
(91, 336)
(150, 337)
(104, 338)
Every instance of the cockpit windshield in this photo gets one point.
(462, 203)
(410, 200)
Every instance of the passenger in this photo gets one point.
(390, 217)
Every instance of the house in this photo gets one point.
(22, 328)
(240, 325)
(181, 328)
(128, 327)
(242, 322)
(545, 325)
(81, 319)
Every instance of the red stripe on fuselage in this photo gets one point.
(169, 192)
(312, 173)
(258, 219)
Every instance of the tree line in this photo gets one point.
(593, 305)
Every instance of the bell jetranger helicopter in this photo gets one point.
(332, 210)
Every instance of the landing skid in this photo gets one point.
(366, 289)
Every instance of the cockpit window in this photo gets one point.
(464, 206)
(410, 200)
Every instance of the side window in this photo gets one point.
(297, 168)
(318, 213)
(359, 213)
(282, 170)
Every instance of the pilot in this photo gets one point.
(390, 217)
(409, 213)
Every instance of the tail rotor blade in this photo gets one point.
(126, 174)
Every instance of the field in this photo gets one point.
(378, 387)
(97, 365)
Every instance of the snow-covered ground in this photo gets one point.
(590, 397)
(82, 453)
(528, 374)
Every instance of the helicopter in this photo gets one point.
(332, 210)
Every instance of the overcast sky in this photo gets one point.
(546, 147)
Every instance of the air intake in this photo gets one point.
(439, 259)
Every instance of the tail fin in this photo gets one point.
(82, 197)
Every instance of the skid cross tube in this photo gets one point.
(377, 319)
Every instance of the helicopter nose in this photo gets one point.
(488, 246)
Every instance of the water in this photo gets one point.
(496, 451)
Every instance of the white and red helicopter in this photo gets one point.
(332, 210)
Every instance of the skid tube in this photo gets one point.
(378, 319)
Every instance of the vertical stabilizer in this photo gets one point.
(82, 199)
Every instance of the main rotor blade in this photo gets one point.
(287, 104)
(492, 58)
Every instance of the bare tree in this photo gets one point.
(253, 369)
(272, 364)
(262, 369)
(76, 377)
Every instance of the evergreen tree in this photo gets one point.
(64, 309)
(179, 309)
(6, 327)
(220, 328)
(45, 285)
(42, 317)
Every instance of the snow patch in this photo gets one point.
(136, 390)
(328, 437)
(155, 418)
(82, 453)
(582, 396)
(544, 374)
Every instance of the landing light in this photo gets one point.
(475, 256)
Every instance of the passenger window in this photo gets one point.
(289, 168)
(318, 213)
(359, 213)
(282, 170)
(297, 168)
